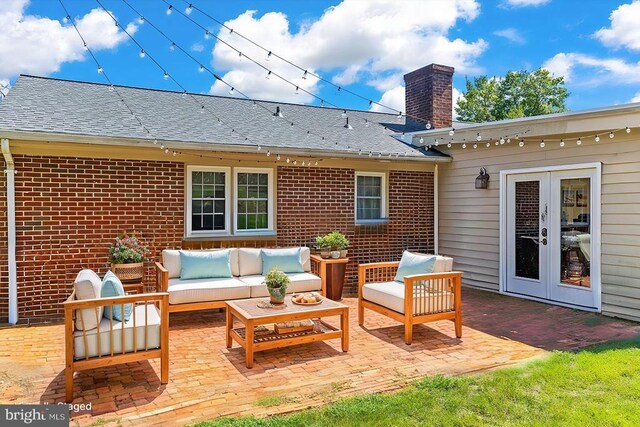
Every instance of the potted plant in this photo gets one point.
(127, 256)
(323, 246)
(338, 243)
(277, 283)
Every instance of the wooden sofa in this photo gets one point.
(144, 336)
(421, 298)
(247, 281)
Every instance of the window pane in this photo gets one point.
(207, 222)
(263, 179)
(196, 191)
(242, 179)
(369, 197)
(253, 192)
(263, 221)
(207, 206)
(263, 192)
(196, 222)
(262, 206)
(242, 222)
(251, 206)
(208, 191)
(251, 222)
(196, 177)
(208, 177)
(219, 206)
(218, 222)
(208, 201)
(253, 179)
(219, 178)
(242, 206)
(196, 206)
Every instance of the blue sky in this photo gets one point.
(364, 45)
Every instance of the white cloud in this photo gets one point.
(510, 34)
(197, 47)
(391, 38)
(636, 97)
(37, 45)
(624, 30)
(524, 3)
(600, 70)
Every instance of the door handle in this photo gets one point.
(544, 232)
(544, 241)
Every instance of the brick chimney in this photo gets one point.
(428, 95)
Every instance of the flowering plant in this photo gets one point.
(127, 250)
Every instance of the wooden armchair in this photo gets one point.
(420, 299)
(144, 336)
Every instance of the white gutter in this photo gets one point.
(436, 233)
(11, 231)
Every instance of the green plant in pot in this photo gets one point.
(324, 246)
(277, 283)
(127, 256)
(338, 243)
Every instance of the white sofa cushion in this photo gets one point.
(202, 290)
(171, 261)
(153, 334)
(391, 296)
(88, 285)
(443, 264)
(300, 282)
(250, 260)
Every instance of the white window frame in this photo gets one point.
(270, 202)
(227, 204)
(383, 200)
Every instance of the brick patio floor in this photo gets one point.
(207, 380)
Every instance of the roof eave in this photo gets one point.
(198, 146)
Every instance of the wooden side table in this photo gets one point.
(332, 273)
(134, 287)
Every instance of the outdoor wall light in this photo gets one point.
(482, 181)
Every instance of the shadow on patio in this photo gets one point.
(207, 380)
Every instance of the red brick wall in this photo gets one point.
(429, 95)
(314, 201)
(68, 211)
(4, 269)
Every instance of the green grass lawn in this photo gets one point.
(598, 386)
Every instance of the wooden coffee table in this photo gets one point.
(248, 312)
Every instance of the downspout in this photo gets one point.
(435, 210)
(11, 231)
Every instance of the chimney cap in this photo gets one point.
(430, 69)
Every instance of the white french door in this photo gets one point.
(551, 235)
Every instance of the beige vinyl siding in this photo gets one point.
(469, 218)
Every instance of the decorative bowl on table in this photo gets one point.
(306, 298)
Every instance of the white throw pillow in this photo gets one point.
(88, 286)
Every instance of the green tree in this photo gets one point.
(517, 94)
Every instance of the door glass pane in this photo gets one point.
(527, 232)
(575, 226)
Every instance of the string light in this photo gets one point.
(172, 47)
(268, 76)
(579, 141)
(268, 56)
(141, 20)
(542, 144)
(561, 143)
(488, 144)
(66, 19)
(521, 143)
(100, 69)
(268, 153)
(278, 157)
(166, 75)
(464, 145)
(304, 76)
(478, 137)
(501, 141)
(189, 9)
(452, 132)
(611, 135)
(475, 145)
(169, 10)
(597, 138)
(201, 68)
(207, 35)
(627, 129)
(288, 160)
(449, 145)
(142, 54)
(343, 114)
(232, 90)
(428, 125)
(421, 141)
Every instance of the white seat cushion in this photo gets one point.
(171, 261)
(202, 290)
(152, 340)
(300, 282)
(391, 296)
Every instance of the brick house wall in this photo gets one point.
(4, 267)
(527, 201)
(314, 201)
(68, 211)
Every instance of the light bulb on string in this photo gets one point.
(201, 68)
(268, 56)
(343, 114)
(166, 151)
(579, 141)
(303, 163)
(421, 141)
(295, 162)
(449, 145)
(627, 129)
(611, 135)
(399, 117)
(501, 141)
(542, 144)
(521, 143)
(232, 91)
(202, 109)
(155, 141)
(207, 35)
(66, 19)
(428, 125)
(488, 144)
(379, 155)
(297, 90)
(166, 75)
(169, 10)
(402, 136)
(268, 153)
(436, 143)
(219, 122)
(597, 138)
(304, 76)
(141, 20)
(278, 157)
(562, 143)
(288, 160)
(464, 145)
(172, 47)
(497, 143)
(111, 88)
(84, 45)
(162, 146)
(174, 154)
(316, 164)
(189, 9)
(475, 145)
(100, 69)
(366, 123)
(268, 76)
(478, 137)
(452, 131)
(142, 54)
(370, 154)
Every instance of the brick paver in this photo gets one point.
(207, 380)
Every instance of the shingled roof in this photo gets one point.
(38, 104)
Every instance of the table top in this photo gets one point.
(249, 307)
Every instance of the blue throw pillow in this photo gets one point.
(285, 260)
(205, 264)
(112, 287)
(411, 264)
